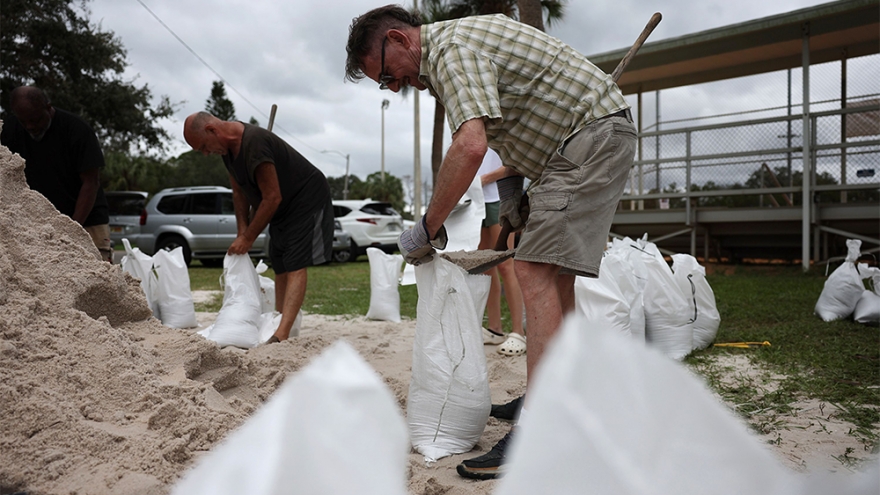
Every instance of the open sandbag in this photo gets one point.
(844, 286)
(691, 278)
(867, 308)
(140, 266)
(668, 317)
(332, 428)
(174, 296)
(448, 402)
(267, 289)
(613, 298)
(385, 271)
(238, 322)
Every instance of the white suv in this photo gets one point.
(370, 223)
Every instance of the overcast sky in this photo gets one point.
(292, 54)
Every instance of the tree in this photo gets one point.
(445, 10)
(218, 104)
(389, 191)
(51, 44)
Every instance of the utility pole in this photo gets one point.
(385, 104)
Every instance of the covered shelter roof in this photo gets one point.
(753, 47)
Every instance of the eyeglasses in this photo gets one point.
(384, 79)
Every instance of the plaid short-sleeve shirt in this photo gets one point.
(534, 90)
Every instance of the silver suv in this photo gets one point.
(199, 219)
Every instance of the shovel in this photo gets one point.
(476, 262)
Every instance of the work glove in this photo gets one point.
(417, 247)
(514, 207)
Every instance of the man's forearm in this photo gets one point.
(457, 172)
(85, 200)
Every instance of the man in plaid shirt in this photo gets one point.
(551, 115)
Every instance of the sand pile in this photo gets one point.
(97, 396)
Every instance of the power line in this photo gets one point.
(206, 64)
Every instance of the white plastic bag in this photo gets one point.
(269, 323)
(867, 308)
(140, 266)
(385, 272)
(238, 322)
(843, 288)
(174, 295)
(448, 402)
(267, 289)
(332, 428)
(691, 278)
(608, 417)
(668, 318)
(613, 298)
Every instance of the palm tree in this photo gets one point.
(445, 10)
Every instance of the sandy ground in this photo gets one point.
(98, 397)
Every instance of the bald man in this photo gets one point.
(287, 193)
(63, 160)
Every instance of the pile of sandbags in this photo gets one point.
(844, 293)
(637, 294)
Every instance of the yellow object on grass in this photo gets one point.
(743, 345)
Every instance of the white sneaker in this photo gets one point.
(492, 338)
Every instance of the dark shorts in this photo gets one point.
(303, 241)
(491, 214)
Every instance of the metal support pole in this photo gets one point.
(641, 203)
(843, 124)
(385, 104)
(806, 152)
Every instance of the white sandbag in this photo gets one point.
(385, 272)
(632, 277)
(668, 318)
(267, 289)
(269, 322)
(606, 417)
(140, 266)
(332, 428)
(174, 295)
(448, 402)
(613, 298)
(867, 308)
(691, 278)
(238, 322)
(464, 224)
(843, 288)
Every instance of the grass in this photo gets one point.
(834, 362)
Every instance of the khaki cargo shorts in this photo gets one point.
(573, 203)
(100, 235)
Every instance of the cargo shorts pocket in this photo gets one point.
(549, 202)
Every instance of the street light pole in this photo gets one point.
(347, 156)
(385, 104)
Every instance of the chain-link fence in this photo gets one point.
(739, 142)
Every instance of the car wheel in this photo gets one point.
(173, 242)
(342, 255)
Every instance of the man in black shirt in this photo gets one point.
(286, 192)
(63, 159)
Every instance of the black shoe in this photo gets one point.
(487, 466)
(508, 412)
